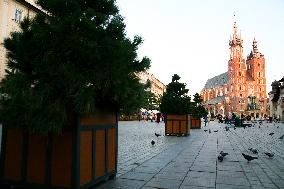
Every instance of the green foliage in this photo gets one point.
(176, 99)
(74, 58)
(152, 101)
(198, 110)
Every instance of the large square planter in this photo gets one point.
(177, 124)
(81, 156)
(195, 123)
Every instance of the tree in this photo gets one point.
(72, 57)
(197, 109)
(176, 100)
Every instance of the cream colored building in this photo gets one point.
(157, 87)
(12, 12)
(276, 100)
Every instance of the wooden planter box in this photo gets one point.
(195, 123)
(177, 124)
(79, 157)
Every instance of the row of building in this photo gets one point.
(12, 13)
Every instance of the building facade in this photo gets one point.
(276, 100)
(242, 89)
(157, 87)
(12, 12)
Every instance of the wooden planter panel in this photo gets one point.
(13, 155)
(177, 125)
(195, 123)
(36, 164)
(169, 127)
(83, 155)
(183, 127)
(86, 157)
(100, 154)
(61, 162)
(111, 149)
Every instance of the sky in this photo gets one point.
(191, 37)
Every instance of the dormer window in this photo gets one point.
(18, 15)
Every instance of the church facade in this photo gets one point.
(242, 89)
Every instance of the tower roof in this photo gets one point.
(236, 38)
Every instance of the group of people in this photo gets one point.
(234, 119)
(157, 117)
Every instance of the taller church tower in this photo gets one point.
(236, 73)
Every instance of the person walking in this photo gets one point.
(205, 120)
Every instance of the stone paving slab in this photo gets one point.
(191, 162)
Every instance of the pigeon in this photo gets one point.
(223, 153)
(277, 126)
(271, 134)
(157, 135)
(216, 131)
(205, 130)
(248, 157)
(152, 142)
(209, 130)
(220, 158)
(253, 150)
(234, 127)
(269, 154)
(258, 126)
(281, 137)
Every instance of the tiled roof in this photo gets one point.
(218, 80)
(216, 100)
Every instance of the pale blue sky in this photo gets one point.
(190, 37)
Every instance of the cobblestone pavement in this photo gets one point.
(191, 162)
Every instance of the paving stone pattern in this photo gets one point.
(191, 162)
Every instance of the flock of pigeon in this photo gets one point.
(223, 154)
(246, 156)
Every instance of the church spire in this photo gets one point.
(254, 46)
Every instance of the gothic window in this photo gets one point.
(240, 88)
(239, 65)
(259, 65)
(240, 74)
(259, 74)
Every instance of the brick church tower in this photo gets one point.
(257, 99)
(236, 73)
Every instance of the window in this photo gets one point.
(259, 65)
(239, 65)
(240, 74)
(249, 66)
(18, 15)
